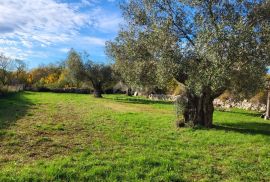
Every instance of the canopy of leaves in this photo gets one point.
(213, 43)
(83, 69)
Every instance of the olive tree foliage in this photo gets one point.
(135, 62)
(80, 68)
(99, 75)
(75, 67)
(208, 46)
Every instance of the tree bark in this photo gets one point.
(267, 114)
(97, 93)
(199, 109)
(205, 110)
(128, 92)
(97, 89)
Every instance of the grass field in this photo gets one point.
(70, 137)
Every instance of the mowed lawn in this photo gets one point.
(71, 137)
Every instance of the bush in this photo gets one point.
(260, 97)
(3, 91)
(226, 96)
(174, 88)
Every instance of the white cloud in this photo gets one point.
(7, 42)
(43, 17)
(109, 23)
(64, 50)
(94, 41)
(84, 43)
(15, 52)
(28, 24)
(88, 2)
(44, 21)
(105, 21)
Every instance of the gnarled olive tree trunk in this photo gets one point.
(199, 109)
(128, 92)
(97, 90)
(97, 93)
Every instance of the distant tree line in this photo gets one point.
(77, 71)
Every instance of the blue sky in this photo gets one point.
(42, 31)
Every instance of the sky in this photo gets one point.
(43, 31)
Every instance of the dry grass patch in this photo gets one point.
(48, 130)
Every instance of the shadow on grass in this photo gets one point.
(252, 114)
(12, 107)
(134, 100)
(251, 128)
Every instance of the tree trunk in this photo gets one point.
(199, 109)
(128, 92)
(205, 109)
(97, 93)
(97, 89)
(267, 114)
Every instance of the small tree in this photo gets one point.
(75, 67)
(6, 64)
(98, 75)
(20, 74)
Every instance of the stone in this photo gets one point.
(245, 104)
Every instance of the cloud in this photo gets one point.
(105, 21)
(109, 23)
(7, 42)
(89, 2)
(27, 26)
(43, 18)
(94, 41)
(15, 52)
(64, 50)
(44, 21)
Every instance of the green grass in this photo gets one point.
(70, 137)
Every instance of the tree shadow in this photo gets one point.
(251, 128)
(252, 114)
(13, 107)
(134, 100)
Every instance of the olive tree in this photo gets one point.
(208, 46)
(133, 61)
(85, 70)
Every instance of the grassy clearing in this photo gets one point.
(69, 137)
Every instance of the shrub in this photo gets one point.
(260, 97)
